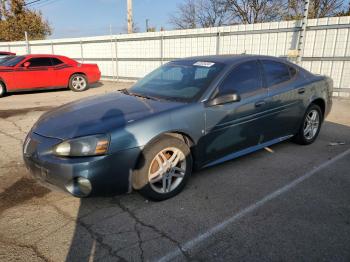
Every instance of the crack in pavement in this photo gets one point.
(11, 136)
(94, 235)
(155, 229)
(139, 241)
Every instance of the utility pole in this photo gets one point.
(130, 22)
(27, 42)
(147, 24)
(301, 41)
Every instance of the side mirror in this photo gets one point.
(230, 98)
(26, 64)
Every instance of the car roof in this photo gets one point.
(44, 55)
(229, 59)
(6, 53)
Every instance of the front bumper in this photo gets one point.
(106, 174)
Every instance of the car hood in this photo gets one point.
(5, 67)
(98, 115)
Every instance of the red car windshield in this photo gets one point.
(14, 61)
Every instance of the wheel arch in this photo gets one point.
(77, 73)
(4, 83)
(187, 139)
(321, 103)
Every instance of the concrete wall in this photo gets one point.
(327, 47)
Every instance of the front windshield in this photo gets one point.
(14, 61)
(181, 80)
(3, 59)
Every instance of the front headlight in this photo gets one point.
(83, 146)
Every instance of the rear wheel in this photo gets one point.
(78, 83)
(165, 169)
(2, 89)
(311, 126)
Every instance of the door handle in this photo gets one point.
(301, 90)
(260, 103)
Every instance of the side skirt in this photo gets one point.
(247, 151)
(36, 89)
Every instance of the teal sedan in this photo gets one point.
(190, 113)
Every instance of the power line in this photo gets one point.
(32, 2)
(40, 3)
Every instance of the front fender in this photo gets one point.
(188, 120)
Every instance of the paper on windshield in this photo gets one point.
(205, 64)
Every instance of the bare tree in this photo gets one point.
(185, 16)
(255, 11)
(345, 11)
(208, 13)
(211, 13)
(318, 8)
(200, 13)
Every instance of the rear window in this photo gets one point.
(56, 61)
(275, 72)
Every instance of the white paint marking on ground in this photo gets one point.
(220, 227)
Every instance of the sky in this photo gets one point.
(77, 18)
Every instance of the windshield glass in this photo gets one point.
(180, 80)
(5, 58)
(14, 61)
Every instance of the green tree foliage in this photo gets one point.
(15, 19)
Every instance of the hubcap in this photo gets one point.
(167, 170)
(311, 124)
(1, 89)
(78, 83)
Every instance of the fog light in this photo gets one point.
(80, 187)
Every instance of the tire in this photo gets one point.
(153, 166)
(78, 83)
(311, 126)
(2, 89)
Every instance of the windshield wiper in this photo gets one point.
(144, 96)
(124, 91)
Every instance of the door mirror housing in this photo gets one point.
(26, 64)
(224, 99)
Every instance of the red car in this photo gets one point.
(33, 72)
(2, 53)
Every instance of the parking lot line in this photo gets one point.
(220, 227)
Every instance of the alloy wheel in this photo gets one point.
(79, 83)
(167, 170)
(311, 124)
(2, 89)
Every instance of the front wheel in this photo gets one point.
(311, 126)
(2, 89)
(78, 83)
(164, 169)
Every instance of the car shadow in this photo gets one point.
(87, 243)
(51, 90)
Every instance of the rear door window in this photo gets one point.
(40, 62)
(275, 72)
(244, 80)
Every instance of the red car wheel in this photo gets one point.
(2, 89)
(78, 83)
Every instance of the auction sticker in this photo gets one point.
(205, 64)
